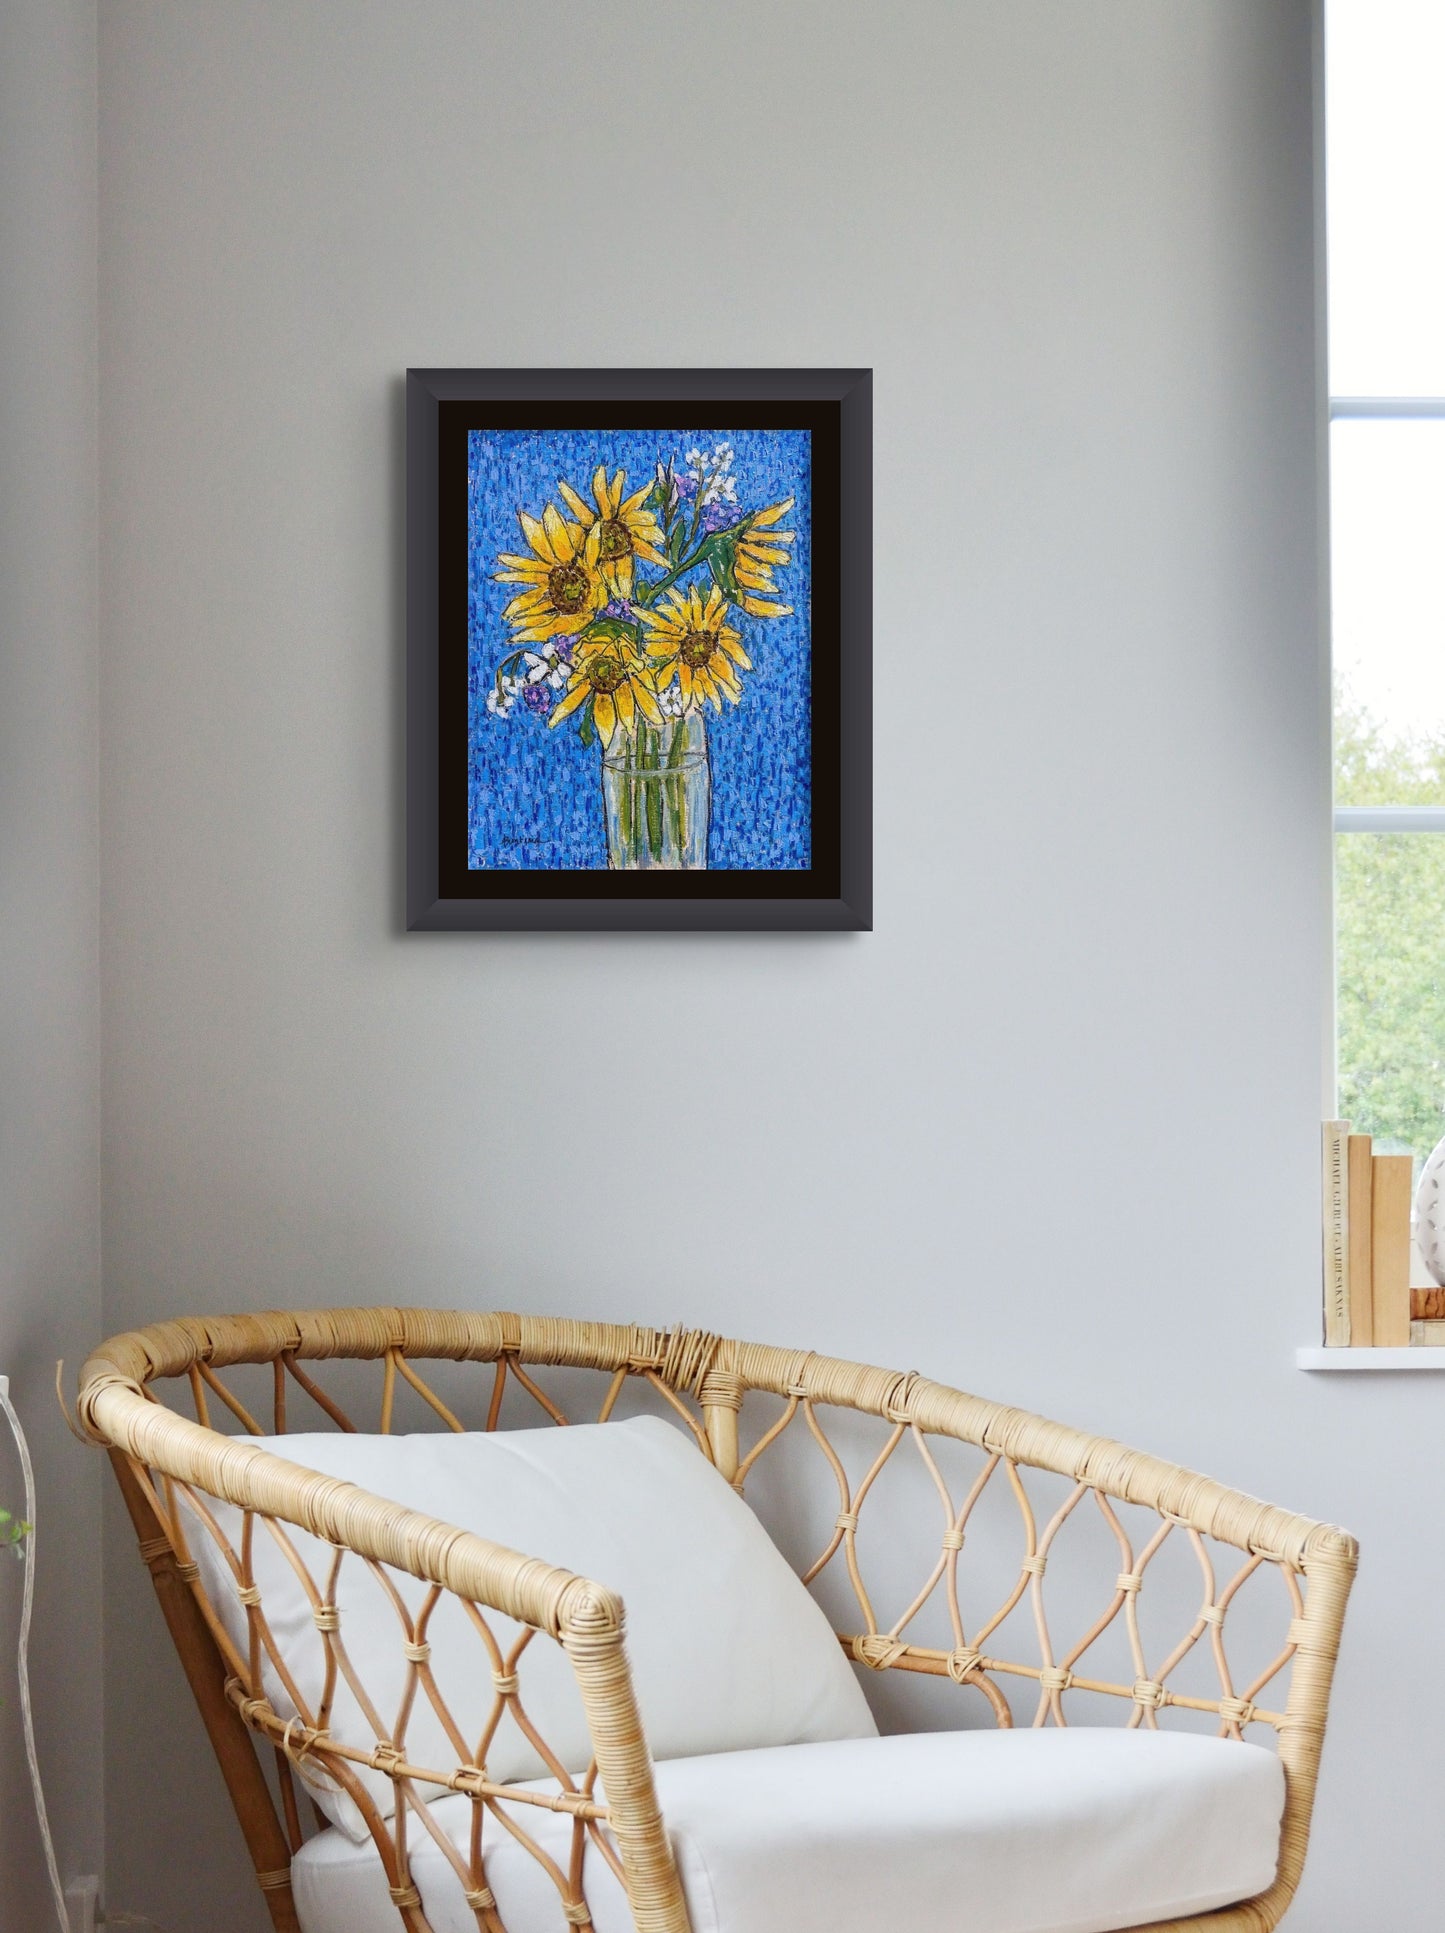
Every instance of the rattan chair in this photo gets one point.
(743, 1403)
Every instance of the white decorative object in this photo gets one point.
(1430, 1214)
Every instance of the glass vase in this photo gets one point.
(657, 794)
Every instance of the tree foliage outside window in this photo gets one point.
(1390, 938)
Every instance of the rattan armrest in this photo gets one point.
(583, 1616)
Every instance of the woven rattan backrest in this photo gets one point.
(747, 1407)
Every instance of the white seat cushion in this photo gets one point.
(633, 1505)
(1073, 1831)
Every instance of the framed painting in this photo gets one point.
(639, 613)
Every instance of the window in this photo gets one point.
(1385, 200)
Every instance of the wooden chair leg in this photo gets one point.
(230, 1740)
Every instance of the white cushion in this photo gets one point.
(727, 1648)
(1073, 1831)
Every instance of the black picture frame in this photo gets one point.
(835, 405)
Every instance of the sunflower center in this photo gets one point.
(615, 542)
(567, 587)
(605, 674)
(696, 648)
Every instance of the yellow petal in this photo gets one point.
(583, 512)
(756, 577)
(649, 551)
(659, 619)
(559, 535)
(614, 495)
(604, 713)
(684, 679)
(576, 695)
(646, 703)
(599, 488)
(729, 642)
(706, 685)
(537, 537)
(626, 710)
(760, 607)
(532, 600)
(633, 503)
(662, 674)
(765, 553)
(593, 545)
(624, 576)
(773, 512)
(716, 605)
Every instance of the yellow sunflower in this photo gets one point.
(759, 549)
(564, 587)
(624, 529)
(690, 639)
(611, 672)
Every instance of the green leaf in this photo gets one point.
(677, 540)
(722, 558)
(586, 730)
(608, 627)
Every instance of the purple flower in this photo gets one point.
(718, 516)
(537, 698)
(564, 647)
(687, 484)
(618, 608)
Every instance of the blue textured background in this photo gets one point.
(534, 795)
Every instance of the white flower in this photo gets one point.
(547, 664)
(695, 460)
(501, 702)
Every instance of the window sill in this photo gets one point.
(1419, 1357)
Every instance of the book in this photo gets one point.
(1427, 1335)
(1358, 1190)
(1427, 1305)
(1391, 1187)
(1336, 1234)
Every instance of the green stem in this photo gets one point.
(647, 594)
(635, 786)
(624, 810)
(677, 789)
(653, 786)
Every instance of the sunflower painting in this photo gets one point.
(639, 650)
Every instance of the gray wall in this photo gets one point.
(1051, 1131)
(49, 972)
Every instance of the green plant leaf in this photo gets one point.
(586, 730)
(608, 627)
(722, 558)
